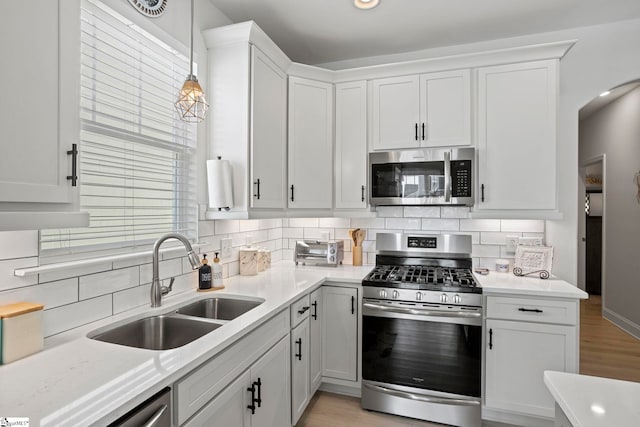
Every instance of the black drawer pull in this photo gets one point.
(363, 193)
(416, 131)
(353, 304)
(531, 310)
(315, 310)
(257, 183)
(292, 198)
(423, 131)
(303, 309)
(259, 399)
(482, 193)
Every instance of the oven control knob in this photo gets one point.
(444, 298)
(457, 299)
(418, 296)
(382, 293)
(395, 294)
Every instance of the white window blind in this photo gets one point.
(136, 170)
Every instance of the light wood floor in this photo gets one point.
(605, 351)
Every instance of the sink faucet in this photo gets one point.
(156, 290)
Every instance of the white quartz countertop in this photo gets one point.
(508, 283)
(594, 401)
(77, 381)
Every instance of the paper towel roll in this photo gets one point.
(219, 183)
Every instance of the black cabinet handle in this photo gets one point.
(259, 399)
(299, 344)
(482, 193)
(362, 193)
(423, 131)
(252, 406)
(257, 183)
(292, 192)
(303, 309)
(490, 339)
(315, 310)
(353, 304)
(416, 131)
(74, 165)
(531, 310)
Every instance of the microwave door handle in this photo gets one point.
(447, 176)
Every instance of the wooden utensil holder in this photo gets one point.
(357, 255)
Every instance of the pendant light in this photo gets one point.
(191, 104)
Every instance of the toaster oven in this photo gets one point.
(316, 252)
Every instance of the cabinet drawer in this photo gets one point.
(300, 310)
(532, 310)
(197, 388)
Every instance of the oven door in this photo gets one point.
(422, 346)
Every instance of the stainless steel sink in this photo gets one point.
(157, 332)
(218, 308)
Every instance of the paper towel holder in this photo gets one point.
(219, 180)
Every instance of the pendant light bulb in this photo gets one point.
(192, 104)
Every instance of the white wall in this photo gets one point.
(615, 132)
(603, 57)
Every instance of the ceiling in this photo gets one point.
(320, 31)
(600, 102)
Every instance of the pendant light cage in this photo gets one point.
(192, 104)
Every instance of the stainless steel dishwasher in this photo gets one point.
(154, 412)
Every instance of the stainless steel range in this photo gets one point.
(422, 330)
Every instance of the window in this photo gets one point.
(136, 170)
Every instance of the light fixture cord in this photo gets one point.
(191, 43)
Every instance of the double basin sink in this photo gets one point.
(179, 327)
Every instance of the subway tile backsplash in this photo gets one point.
(78, 296)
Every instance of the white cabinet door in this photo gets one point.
(351, 145)
(517, 136)
(310, 144)
(395, 112)
(340, 333)
(268, 132)
(271, 371)
(315, 341)
(445, 108)
(39, 118)
(516, 356)
(299, 370)
(229, 408)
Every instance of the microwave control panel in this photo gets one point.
(461, 178)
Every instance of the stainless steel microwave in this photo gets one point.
(428, 176)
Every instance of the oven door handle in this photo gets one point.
(421, 312)
(421, 397)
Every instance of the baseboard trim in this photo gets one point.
(498, 418)
(340, 389)
(622, 322)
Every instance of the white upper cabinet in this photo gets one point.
(39, 118)
(445, 108)
(351, 145)
(421, 110)
(268, 132)
(248, 119)
(517, 136)
(396, 112)
(310, 144)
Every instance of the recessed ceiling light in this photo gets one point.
(605, 93)
(366, 4)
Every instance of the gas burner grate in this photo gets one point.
(459, 277)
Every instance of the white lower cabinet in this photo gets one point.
(259, 397)
(315, 341)
(340, 333)
(299, 370)
(519, 348)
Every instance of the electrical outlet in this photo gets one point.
(225, 248)
(511, 242)
(530, 241)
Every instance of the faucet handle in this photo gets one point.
(166, 289)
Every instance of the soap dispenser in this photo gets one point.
(204, 275)
(217, 273)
